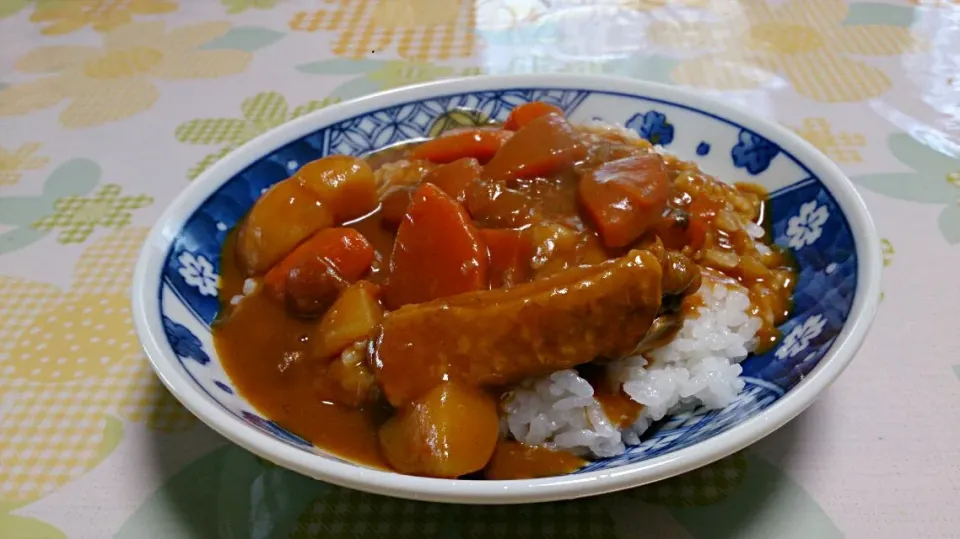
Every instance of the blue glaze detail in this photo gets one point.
(275, 430)
(804, 217)
(184, 343)
(753, 152)
(653, 126)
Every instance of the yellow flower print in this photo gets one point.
(842, 147)
(420, 29)
(13, 163)
(67, 16)
(801, 40)
(69, 360)
(115, 81)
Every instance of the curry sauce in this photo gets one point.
(550, 265)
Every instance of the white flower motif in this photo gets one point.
(807, 226)
(800, 336)
(198, 272)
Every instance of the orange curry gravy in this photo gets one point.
(266, 350)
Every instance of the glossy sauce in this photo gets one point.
(513, 460)
(267, 351)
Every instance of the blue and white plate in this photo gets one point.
(815, 213)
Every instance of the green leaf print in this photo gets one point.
(12, 7)
(212, 131)
(76, 217)
(265, 110)
(907, 186)
(339, 66)
(379, 74)
(653, 68)
(239, 6)
(871, 13)
(935, 179)
(258, 113)
(949, 223)
(73, 178)
(355, 88)
(244, 38)
(16, 527)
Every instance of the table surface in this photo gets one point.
(109, 108)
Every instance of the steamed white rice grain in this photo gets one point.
(249, 287)
(698, 366)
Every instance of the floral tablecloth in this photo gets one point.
(108, 108)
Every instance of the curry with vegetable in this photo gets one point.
(383, 307)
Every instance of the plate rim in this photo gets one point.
(148, 322)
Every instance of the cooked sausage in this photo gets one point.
(499, 337)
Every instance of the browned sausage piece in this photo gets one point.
(499, 337)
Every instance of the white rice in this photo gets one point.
(754, 230)
(698, 366)
(249, 287)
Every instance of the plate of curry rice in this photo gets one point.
(509, 289)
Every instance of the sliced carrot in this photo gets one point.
(344, 250)
(480, 144)
(625, 197)
(456, 178)
(545, 145)
(509, 252)
(437, 253)
(526, 113)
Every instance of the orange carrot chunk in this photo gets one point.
(437, 252)
(456, 178)
(343, 250)
(625, 197)
(480, 144)
(526, 113)
(509, 252)
(544, 146)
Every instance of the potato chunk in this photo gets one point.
(352, 317)
(283, 217)
(343, 183)
(450, 431)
